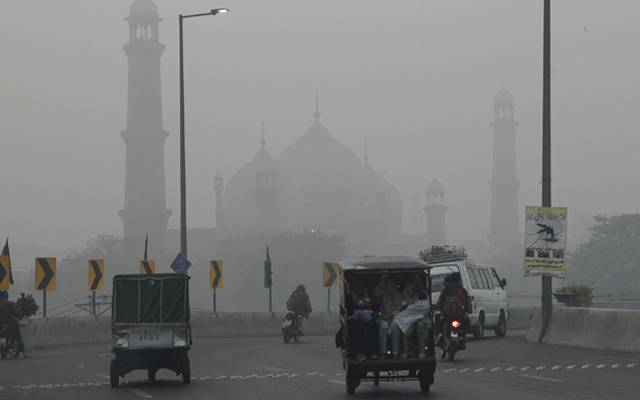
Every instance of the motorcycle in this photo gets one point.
(291, 326)
(452, 339)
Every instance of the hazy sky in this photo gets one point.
(417, 80)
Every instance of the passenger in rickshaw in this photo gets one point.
(362, 325)
(394, 295)
(412, 319)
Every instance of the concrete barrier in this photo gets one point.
(58, 332)
(614, 330)
(39, 333)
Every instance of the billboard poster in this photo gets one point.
(545, 241)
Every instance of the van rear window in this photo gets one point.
(439, 273)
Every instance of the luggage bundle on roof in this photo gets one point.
(439, 254)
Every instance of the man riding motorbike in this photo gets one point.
(453, 302)
(299, 303)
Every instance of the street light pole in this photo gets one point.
(546, 153)
(183, 183)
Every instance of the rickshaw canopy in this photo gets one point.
(150, 299)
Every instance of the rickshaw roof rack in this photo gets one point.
(439, 254)
(383, 263)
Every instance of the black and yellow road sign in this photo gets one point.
(46, 273)
(147, 266)
(331, 274)
(96, 274)
(5, 273)
(215, 278)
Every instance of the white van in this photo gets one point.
(486, 291)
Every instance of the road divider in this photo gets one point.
(39, 333)
(602, 329)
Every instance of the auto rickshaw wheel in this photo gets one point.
(352, 382)
(151, 374)
(376, 378)
(114, 374)
(425, 379)
(186, 371)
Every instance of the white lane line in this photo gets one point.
(103, 376)
(600, 366)
(556, 367)
(631, 365)
(542, 378)
(615, 366)
(586, 366)
(479, 370)
(525, 368)
(338, 382)
(540, 368)
(510, 369)
(446, 371)
(273, 368)
(496, 369)
(104, 355)
(464, 370)
(572, 366)
(140, 393)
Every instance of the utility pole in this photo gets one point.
(546, 153)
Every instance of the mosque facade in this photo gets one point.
(315, 184)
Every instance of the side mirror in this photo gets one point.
(503, 282)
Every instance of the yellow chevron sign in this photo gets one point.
(5, 273)
(147, 266)
(331, 274)
(96, 274)
(215, 276)
(46, 273)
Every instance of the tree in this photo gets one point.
(610, 261)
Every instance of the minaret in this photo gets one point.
(145, 209)
(218, 187)
(504, 236)
(267, 189)
(435, 212)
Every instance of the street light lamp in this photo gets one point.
(183, 184)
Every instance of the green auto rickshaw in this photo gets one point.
(150, 325)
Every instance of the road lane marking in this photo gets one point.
(274, 368)
(615, 366)
(140, 393)
(465, 370)
(540, 368)
(586, 366)
(631, 365)
(103, 376)
(572, 366)
(496, 369)
(541, 378)
(446, 371)
(556, 367)
(479, 370)
(510, 369)
(338, 382)
(600, 366)
(104, 355)
(525, 368)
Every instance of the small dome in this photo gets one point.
(435, 187)
(504, 97)
(143, 7)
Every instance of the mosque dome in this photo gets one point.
(504, 97)
(435, 187)
(143, 7)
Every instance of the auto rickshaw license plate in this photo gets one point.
(151, 338)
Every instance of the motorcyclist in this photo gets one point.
(453, 302)
(299, 303)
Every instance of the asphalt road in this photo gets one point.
(265, 368)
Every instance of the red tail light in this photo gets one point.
(456, 324)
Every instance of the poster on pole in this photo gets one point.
(545, 241)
